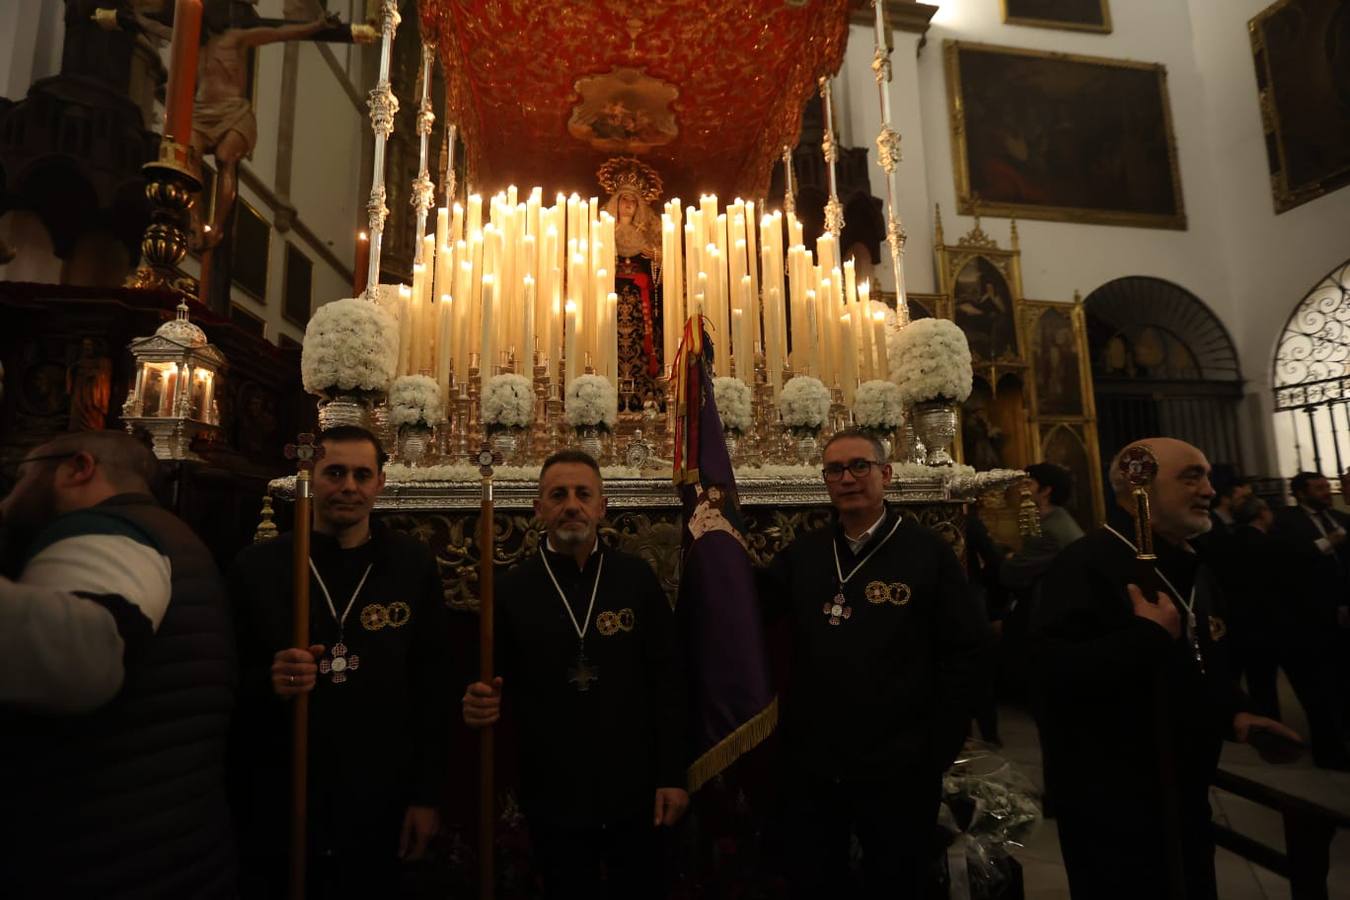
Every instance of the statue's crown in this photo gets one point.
(627, 174)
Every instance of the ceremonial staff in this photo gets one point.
(487, 808)
(1139, 467)
(305, 452)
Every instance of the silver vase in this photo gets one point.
(346, 409)
(507, 441)
(588, 439)
(415, 439)
(935, 425)
(808, 447)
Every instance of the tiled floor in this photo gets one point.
(1043, 867)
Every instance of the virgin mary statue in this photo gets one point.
(632, 187)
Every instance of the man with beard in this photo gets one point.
(1137, 694)
(379, 699)
(116, 669)
(591, 668)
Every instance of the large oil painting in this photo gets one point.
(1302, 55)
(1069, 138)
(1077, 15)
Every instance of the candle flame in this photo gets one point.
(362, 236)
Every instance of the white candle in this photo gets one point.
(570, 345)
(444, 317)
(882, 364)
(474, 217)
(487, 345)
(525, 352)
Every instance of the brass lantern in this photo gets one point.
(174, 397)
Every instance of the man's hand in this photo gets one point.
(1163, 613)
(420, 824)
(483, 703)
(670, 806)
(294, 670)
(1245, 723)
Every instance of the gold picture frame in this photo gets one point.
(1007, 164)
(1011, 17)
(1306, 136)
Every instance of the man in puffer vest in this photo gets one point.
(116, 682)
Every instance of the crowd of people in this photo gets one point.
(146, 698)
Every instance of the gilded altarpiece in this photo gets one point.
(1062, 412)
(981, 290)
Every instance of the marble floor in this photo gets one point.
(1043, 868)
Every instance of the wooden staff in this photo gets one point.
(305, 452)
(487, 805)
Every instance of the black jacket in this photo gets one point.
(891, 688)
(378, 742)
(129, 801)
(1320, 581)
(595, 756)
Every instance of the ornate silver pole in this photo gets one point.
(423, 188)
(789, 191)
(834, 210)
(451, 133)
(383, 108)
(888, 156)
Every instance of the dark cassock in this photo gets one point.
(887, 660)
(379, 715)
(593, 680)
(1133, 718)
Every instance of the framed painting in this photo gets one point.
(251, 250)
(984, 310)
(1068, 138)
(1075, 15)
(1302, 53)
(298, 279)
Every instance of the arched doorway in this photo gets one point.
(1311, 377)
(1162, 364)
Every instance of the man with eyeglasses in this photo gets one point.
(886, 665)
(116, 669)
(378, 678)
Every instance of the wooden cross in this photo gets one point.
(305, 452)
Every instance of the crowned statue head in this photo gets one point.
(632, 186)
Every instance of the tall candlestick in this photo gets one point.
(182, 90)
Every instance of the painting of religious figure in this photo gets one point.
(1077, 15)
(1069, 138)
(1302, 54)
(1059, 389)
(984, 311)
(1064, 446)
(625, 110)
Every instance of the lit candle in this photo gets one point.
(415, 325)
(882, 364)
(474, 217)
(361, 267)
(486, 344)
(526, 347)
(570, 345)
(442, 226)
(404, 329)
(456, 224)
(611, 337)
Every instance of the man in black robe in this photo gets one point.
(379, 708)
(886, 668)
(593, 674)
(1137, 695)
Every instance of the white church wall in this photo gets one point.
(1246, 264)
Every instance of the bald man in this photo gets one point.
(1131, 658)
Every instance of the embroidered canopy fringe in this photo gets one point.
(745, 738)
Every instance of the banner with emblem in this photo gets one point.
(732, 704)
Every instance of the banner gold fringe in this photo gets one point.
(726, 751)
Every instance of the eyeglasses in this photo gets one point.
(858, 468)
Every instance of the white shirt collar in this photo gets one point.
(595, 548)
(856, 544)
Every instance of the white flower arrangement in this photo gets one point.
(732, 397)
(804, 403)
(930, 360)
(508, 402)
(877, 406)
(350, 345)
(591, 400)
(415, 400)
